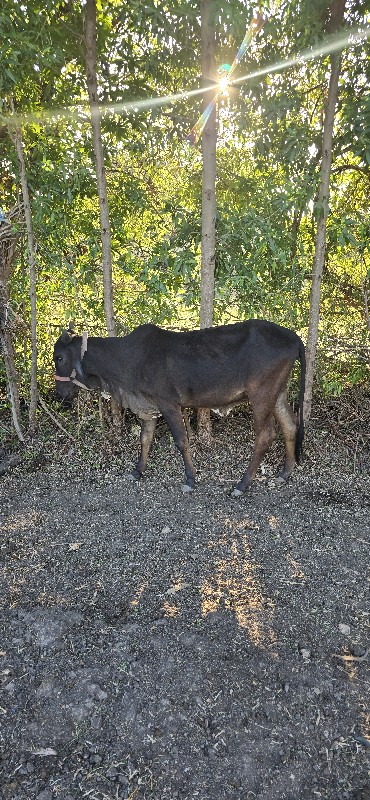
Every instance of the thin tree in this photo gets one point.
(101, 180)
(18, 142)
(335, 21)
(209, 142)
(92, 85)
(365, 281)
(8, 246)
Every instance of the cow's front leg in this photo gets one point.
(175, 422)
(146, 438)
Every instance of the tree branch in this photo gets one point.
(343, 167)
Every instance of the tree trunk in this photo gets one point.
(8, 246)
(209, 140)
(337, 13)
(7, 348)
(365, 293)
(33, 278)
(92, 85)
(11, 377)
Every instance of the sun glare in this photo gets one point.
(224, 84)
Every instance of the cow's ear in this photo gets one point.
(66, 337)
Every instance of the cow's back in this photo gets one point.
(209, 366)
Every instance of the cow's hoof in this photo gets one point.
(283, 476)
(186, 489)
(132, 476)
(236, 493)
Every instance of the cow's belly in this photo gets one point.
(215, 397)
(138, 404)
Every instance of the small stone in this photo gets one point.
(45, 795)
(96, 721)
(112, 773)
(345, 629)
(23, 770)
(358, 650)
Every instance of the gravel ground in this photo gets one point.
(159, 646)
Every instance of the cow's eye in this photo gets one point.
(59, 358)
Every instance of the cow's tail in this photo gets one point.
(300, 429)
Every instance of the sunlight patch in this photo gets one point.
(169, 611)
(235, 586)
(138, 594)
(22, 522)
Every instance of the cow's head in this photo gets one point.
(67, 361)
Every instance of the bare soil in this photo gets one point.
(156, 645)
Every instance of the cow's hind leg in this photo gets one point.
(264, 427)
(175, 421)
(288, 424)
(146, 438)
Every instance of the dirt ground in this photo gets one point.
(156, 645)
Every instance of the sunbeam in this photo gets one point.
(352, 39)
(83, 109)
(132, 107)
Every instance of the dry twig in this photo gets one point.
(55, 420)
(352, 658)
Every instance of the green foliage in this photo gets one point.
(267, 173)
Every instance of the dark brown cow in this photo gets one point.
(158, 372)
